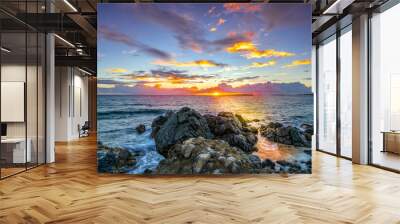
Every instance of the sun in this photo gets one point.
(216, 94)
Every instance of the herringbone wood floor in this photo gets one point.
(70, 191)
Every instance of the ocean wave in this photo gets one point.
(130, 112)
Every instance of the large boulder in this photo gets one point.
(206, 156)
(233, 129)
(115, 160)
(224, 123)
(288, 135)
(158, 122)
(178, 127)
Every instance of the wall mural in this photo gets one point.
(204, 88)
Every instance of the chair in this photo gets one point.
(84, 130)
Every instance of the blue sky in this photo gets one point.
(195, 47)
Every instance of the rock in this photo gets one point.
(140, 128)
(307, 127)
(267, 163)
(241, 119)
(291, 167)
(251, 129)
(286, 135)
(308, 131)
(178, 127)
(296, 137)
(147, 171)
(233, 129)
(187, 150)
(229, 161)
(158, 122)
(274, 125)
(207, 156)
(240, 141)
(201, 160)
(255, 160)
(115, 160)
(225, 114)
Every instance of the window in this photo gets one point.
(22, 77)
(346, 93)
(327, 96)
(385, 89)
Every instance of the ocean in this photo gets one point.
(119, 115)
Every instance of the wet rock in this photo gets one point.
(274, 125)
(158, 122)
(115, 160)
(184, 124)
(140, 128)
(291, 167)
(240, 141)
(267, 163)
(256, 161)
(207, 156)
(241, 119)
(307, 127)
(251, 129)
(147, 171)
(308, 131)
(289, 135)
(308, 152)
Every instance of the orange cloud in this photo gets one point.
(197, 63)
(242, 7)
(262, 64)
(117, 70)
(221, 21)
(241, 47)
(251, 50)
(298, 63)
(268, 53)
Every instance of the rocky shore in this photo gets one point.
(115, 160)
(212, 144)
(288, 135)
(215, 144)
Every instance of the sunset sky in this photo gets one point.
(200, 48)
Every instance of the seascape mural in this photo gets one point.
(204, 88)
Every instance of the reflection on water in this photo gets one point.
(275, 151)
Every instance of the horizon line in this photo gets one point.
(299, 94)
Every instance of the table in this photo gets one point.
(391, 141)
(13, 150)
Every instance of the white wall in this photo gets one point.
(12, 73)
(71, 102)
(33, 126)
